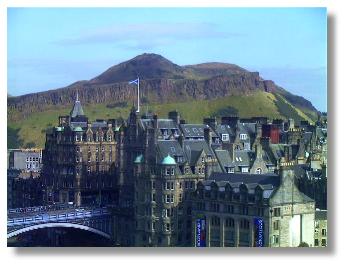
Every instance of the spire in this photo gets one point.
(77, 109)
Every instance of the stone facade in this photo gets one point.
(254, 210)
(80, 160)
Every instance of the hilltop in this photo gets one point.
(215, 88)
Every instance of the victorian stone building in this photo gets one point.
(80, 160)
(244, 210)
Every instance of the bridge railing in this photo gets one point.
(70, 215)
(40, 208)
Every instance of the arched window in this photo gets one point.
(258, 171)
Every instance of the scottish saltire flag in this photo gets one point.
(136, 81)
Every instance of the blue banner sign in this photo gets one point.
(259, 232)
(200, 233)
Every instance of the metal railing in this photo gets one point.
(70, 214)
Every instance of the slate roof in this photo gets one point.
(243, 158)
(162, 123)
(224, 158)
(170, 147)
(247, 128)
(194, 130)
(246, 178)
(224, 129)
(194, 148)
(321, 214)
(77, 109)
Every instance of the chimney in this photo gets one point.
(208, 135)
(175, 116)
(210, 122)
(287, 174)
(155, 121)
(258, 150)
(258, 131)
(181, 140)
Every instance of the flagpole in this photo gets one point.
(138, 96)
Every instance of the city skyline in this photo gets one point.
(292, 52)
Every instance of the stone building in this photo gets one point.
(244, 210)
(80, 160)
(166, 170)
(320, 228)
(24, 189)
(25, 159)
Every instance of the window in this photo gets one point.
(225, 137)
(323, 232)
(258, 171)
(275, 239)
(77, 159)
(180, 197)
(243, 136)
(153, 197)
(316, 242)
(88, 169)
(215, 207)
(169, 212)
(97, 149)
(244, 224)
(89, 149)
(229, 209)
(167, 226)
(276, 212)
(77, 148)
(103, 148)
(169, 185)
(230, 170)
(245, 169)
(169, 198)
(323, 242)
(167, 171)
(110, 148)
(276, 225)
(229, 222)
(153, 185)
(109, 138)
(215, 221)
(89, 159)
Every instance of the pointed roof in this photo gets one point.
(77, 109)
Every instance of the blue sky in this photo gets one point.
(53, 47)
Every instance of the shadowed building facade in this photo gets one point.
(80, 160)
(244, 210)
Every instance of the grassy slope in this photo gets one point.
(32, 129)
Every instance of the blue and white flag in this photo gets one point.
(136, 81)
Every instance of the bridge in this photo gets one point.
(97, 220)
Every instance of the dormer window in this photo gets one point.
(109, 137)
(258, 171)
(243, 136)
(245, 169)
(225, 137)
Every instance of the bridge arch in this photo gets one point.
(57, 224)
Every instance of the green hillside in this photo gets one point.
(30, 132)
